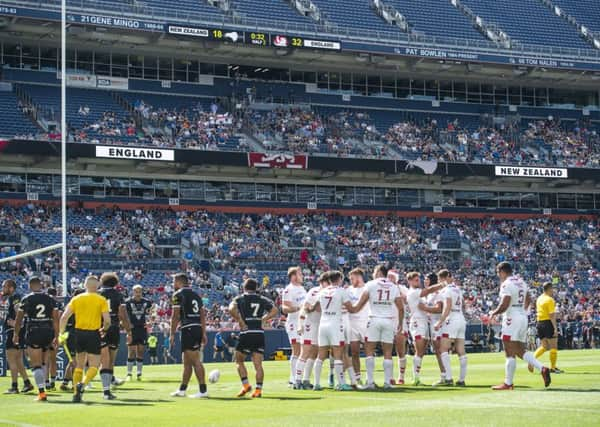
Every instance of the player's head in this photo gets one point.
(336, 278)
(413, 279)
(180, 280)
(295, 275)
(35, 284)
(51, 292)
(138, 291)
(444, 276)
(430, 280)
(324, 279)
(504, 269)
(109, 280)
(357, 276)
(92, 283)
(250, 285)
(393, 276)
(9, 286)
(380, 271)
(548, 288)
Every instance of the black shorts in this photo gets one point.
(71, 343)
(191, 338)
(545, 329)
(39, 338)
(10, 345)
(139, 335)
(87, 341)
(251, 342)
(152, 352)
(112, 338)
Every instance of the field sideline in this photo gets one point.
(573, 399)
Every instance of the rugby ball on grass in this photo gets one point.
(214, 376)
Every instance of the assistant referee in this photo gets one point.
(547, 330)
(91, 314)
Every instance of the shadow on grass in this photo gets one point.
(113, 403)
(574, 390)
(238, 399)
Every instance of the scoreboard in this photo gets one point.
(254, 38)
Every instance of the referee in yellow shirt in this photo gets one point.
(547, 330)
(91, 314)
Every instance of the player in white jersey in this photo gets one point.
(452, 325)
(514, 302)
(401, 338)
(358, 321)
(434, 308)
(384, 299)
(308, 328)
(331, 301)
(292, 299)
(419, 319)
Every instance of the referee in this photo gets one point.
(547, 331)
(91, 313)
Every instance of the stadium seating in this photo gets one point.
(528, 22)
(12, 119)
(586, 12)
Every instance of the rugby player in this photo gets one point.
(138, 309)
(292, 299)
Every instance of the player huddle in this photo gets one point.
(323, 322)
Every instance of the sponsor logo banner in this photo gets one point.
(134, 153)
(322, 44)
(532, 172)
(277, 161)
(188, 31)
(81, 80)
(104, 82)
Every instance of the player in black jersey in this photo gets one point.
(70, 347)
(14, 353)
(42, 330)
(251, 310)
(52, 368)
(138, 308)
(189, 315)
(110, 341)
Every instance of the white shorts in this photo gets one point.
(310, 334)
(358, 330)
(381, 330)
(433, 334)
(419, 329)
(331, 334)
(347, 330)
(292, 332)
(514, 328)
(454, 328)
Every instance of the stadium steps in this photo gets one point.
(574, 21)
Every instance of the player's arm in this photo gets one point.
(203, 324)
(56, 324)
(360, 304)
(287, 307)
(445, 313)
(271, 314)
(552, 312)
(435, 309)
(18, 323)
(235, 314)
(124, 317)
(504, 304)
(64, 319)
(175, 317)
(431, 290)
(400, 307)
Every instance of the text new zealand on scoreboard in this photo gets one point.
(255, 38)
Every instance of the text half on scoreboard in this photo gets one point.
(255, 38)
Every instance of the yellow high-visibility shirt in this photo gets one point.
(88, 309)
(545, 306)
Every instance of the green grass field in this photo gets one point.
(573, 399)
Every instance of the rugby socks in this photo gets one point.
(539, 352)
(300, 365)
(77, 378)
(370, 365)
(463, 367)
(182, 387)
(417, 367)
(318, 369)
(310, 363)
(402, 366)
(14, 386)
(447, 366)
(140, 365)
(259, 386)
(530, 358)
(351, 375)
(130, 366)
(331, 371)
(338, 367)
(553, 357)
(245, 380)
(388, 370)
(202, 388)
(40, 378)
(90, 375)
(509, 369)
(106, 375)
(293, 361)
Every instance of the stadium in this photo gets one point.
(233, 155)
